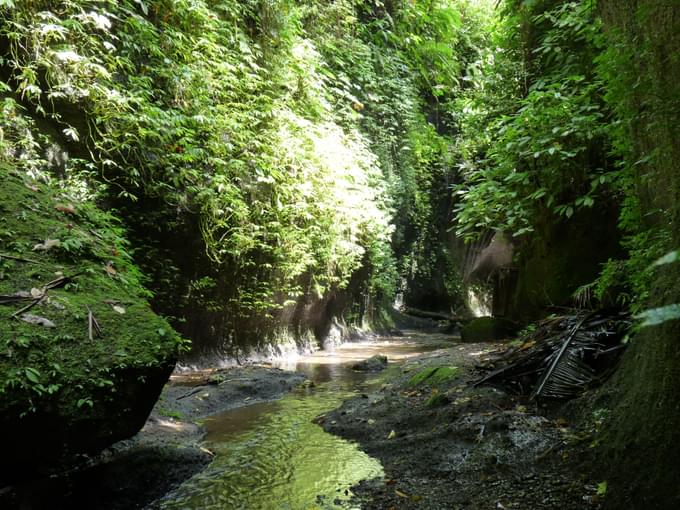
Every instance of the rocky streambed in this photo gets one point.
(445, 444)
(334, 431)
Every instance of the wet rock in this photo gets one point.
(132, 473)
(486, 329)
(130, 480)
(433, 376)
(473, 452)
(373, 364)
(227, 389)
(216, 379)
(33, 452)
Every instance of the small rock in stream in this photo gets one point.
(373, 364)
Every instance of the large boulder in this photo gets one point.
(486, 329)
(83, 358)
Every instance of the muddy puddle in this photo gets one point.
(272, 456)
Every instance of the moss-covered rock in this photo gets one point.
(373, 364)
(485, 329)
(437, 399)
(83, 358)
(433, 376)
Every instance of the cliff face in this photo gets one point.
(82, 356)
(641, 442)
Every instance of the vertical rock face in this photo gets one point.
(82, 356)
(520, 280)
(561, 258)
(641, 443)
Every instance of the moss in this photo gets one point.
(61, 367)
(171, 414)
(433, 375)
(640, 444)
(437, 399)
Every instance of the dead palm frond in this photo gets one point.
(562, 357)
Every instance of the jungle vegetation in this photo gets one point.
(257, 157)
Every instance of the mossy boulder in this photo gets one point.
(486, 329)
(438, 399)
(83, 358)
(433, 376)
(373, 364)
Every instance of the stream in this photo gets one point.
(273, 456)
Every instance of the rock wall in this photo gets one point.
(560, 258)
(522, 281)
(640, 446)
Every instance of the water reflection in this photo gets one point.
(271, 456)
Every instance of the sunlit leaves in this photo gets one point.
(657, 316)
(288, 132)
(669, 258)
(551, 153)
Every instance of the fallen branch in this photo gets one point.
(54, 284)
(192, 392)
(89, 324)
(424, 314)
(26, 308)
(59, 282)
(548, 373)
(562, 357)
(92, 324)
(15, 298)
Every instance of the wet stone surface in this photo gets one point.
(447, 445)
(221, 439)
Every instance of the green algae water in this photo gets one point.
(273, 456)
(282, 461)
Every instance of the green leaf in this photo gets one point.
(71, 133)
(656, 316)
(32, 375)
(668, 258)
(85, 402)
(602, 488)
(145, 9)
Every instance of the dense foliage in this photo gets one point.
(546, 133)
(272, 165)
(293, 135)
(315, 147)
(543, 141)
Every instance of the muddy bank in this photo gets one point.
(446, 444)
(168, 450)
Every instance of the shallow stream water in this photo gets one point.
(272, 456)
